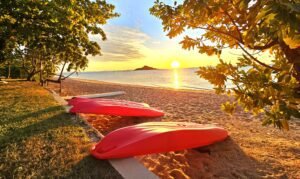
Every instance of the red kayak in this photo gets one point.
(113, 107)
(156, 137)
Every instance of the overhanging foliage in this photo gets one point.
(253, 27)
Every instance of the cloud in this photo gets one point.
(122, 44)
(129, 48)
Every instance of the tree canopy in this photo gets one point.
(253, 26)
(50, 33)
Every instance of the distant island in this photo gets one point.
(146, 68)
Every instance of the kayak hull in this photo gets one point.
(156, 137)
(113, 107)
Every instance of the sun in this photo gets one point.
(175, 64)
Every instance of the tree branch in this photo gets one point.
(213, 29)
(218, 31)
(69, 75)
(256, 60)
(233, 22)
(272, 43)
(61, 72)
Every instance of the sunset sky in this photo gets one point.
(136, 39)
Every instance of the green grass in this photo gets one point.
(38, 139)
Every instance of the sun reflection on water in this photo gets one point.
(176, 80)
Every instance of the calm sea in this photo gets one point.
(178, 79)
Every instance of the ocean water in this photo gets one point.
(173, 78)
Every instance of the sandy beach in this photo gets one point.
(251, 151)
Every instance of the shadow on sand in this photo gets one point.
(221, 160)
(226, 159)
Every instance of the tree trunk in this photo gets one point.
(41, 73)
(8, 73)
(60, 87)
(30, 76)
(2, 47)
(61, 72)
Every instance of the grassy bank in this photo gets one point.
(38, 139)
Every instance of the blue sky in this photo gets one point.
(135, 14)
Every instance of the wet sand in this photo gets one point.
(251, 151)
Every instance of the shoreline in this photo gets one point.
(251, 151)
(143, 86)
